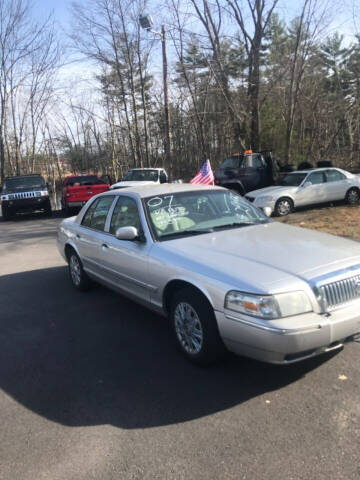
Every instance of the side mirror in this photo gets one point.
(267, 211)
(127, 233)
(307, 184)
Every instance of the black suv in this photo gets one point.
(24, 193)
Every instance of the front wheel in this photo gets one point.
(353, 196)
(194, 327)
(78, 277)
(283, 207)
(6, 213)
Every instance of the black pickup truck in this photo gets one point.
(248, 171)
(24, 193)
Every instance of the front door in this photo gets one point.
(313, 190)
(125, 262)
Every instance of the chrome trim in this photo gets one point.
(337, 289)
(278, 331)
(23, 195)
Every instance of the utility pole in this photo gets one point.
(146, 22)
(166, 105)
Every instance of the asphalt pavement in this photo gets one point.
(91, 387)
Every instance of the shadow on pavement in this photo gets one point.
(97, 358)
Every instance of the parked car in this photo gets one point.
(308, 187)
(24, 193)
(78, 189)
(226, 275)
(141, 176)
(248, 171)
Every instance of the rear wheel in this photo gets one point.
(353, 196)
(283, 207)
(78, 277)
(194, 327)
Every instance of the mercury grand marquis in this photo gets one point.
(225, 275)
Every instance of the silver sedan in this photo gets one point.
(308, 187)
(225, 275)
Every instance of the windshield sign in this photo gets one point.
(193, 213)
(293, 179)
(142, 176)
(23, 183)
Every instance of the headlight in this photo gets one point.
(44, 193)
(268, 306)
(265, 198)
(4, 197)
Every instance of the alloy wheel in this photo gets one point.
(188, 328)
(75, 270)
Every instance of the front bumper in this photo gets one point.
(260, 204)
(26, 204)
(291, 339)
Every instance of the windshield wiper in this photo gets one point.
(236, 224)
(187, 232)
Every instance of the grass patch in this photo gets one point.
(338, 220)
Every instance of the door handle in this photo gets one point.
(78, 236)
(104, 246)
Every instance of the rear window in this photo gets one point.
(83, 180)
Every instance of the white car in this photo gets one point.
(141, 177)
(224, 274)
(308, 187)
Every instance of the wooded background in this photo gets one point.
(242, 75)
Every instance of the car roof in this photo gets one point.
(82, 175)
(25, 175)
(311, 170)
(142, 169)
(144, 191)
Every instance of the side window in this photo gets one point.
(334, 176)
(247, 162)
(125, 214)
(86, 221)
(231, 162)
(257, 161)
(97, 218)
(163, 177)
(316, 178)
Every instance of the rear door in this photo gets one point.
(90, 236)
(336, 185)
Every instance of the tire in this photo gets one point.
(192, 316)
(353, 196)
(6, 214)
(78, 277)
(47, 210)
(283, 207)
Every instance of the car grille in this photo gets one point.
(341, 292)
(21, 195)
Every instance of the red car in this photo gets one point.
(78, 189)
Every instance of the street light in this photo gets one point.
(146, 22)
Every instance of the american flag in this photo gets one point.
(205, 175)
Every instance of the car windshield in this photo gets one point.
(84, 180)
(292, 180)
(192, 213)
(142, 176)
(22, 183)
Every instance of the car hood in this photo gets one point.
(274, 190)
(130, 184)
(270, 258)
